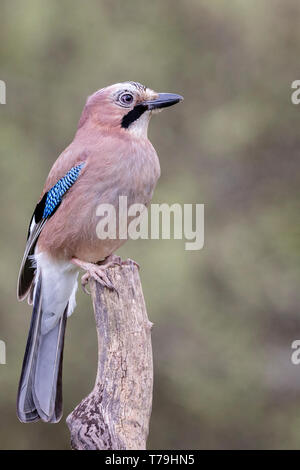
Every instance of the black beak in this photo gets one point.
(164, 100)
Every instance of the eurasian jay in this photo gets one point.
(109, 157)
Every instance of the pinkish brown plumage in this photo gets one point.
(114, 165)
(117, 160)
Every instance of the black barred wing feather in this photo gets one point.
(27, 270)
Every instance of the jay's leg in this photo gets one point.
(98, 270)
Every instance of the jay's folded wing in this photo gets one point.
(43, 211)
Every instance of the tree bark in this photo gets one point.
(116, 414)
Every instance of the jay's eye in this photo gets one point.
(126, 99)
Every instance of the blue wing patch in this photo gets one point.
(55, 194)
(44, 209)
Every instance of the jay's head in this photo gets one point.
(127, 106)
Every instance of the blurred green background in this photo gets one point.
(224, 316)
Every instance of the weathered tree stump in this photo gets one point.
(116, 414)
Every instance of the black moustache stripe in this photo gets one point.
(133, 115)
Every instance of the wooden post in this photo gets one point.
(116, 414)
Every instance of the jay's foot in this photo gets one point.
(97, 271)
(112, 260)
(130, 262)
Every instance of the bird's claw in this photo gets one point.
(98, 273)
(114, 260)
(130, 262)
(110, 261)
